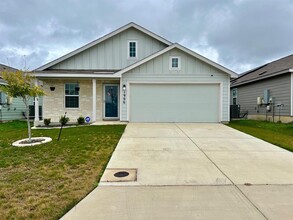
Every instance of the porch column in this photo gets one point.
(37, 117)
(94, 100)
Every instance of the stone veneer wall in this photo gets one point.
(54, 102)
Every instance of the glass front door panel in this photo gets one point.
(111, 101)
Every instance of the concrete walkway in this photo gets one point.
(192, 171)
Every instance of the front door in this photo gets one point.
(111, 101)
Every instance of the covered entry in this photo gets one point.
(174, 102)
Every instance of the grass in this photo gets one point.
(275, 133)
(45, 181)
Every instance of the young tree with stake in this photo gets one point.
(21, 84)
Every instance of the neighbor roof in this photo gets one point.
(95, 42)
(186, 50)
(277, 67)
(5, 68)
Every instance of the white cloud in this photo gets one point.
(239, 34)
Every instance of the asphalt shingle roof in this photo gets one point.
(5, 68)
(274, 68)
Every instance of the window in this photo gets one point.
(175, 63)
(71, 95)
(132, 49)
(3, 99)
(234, 96)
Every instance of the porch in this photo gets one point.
(95, 98)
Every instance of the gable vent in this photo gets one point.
(262, 73)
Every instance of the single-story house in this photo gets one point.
(13, 108)
(266, 92)
(134, 75)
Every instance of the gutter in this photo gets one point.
(74, 75)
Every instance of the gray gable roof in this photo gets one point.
(277, 67)
(6, 68)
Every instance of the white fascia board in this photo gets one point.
(95, 42)
(73, 75)
(206, 60)
(146, 31)
(178, 46)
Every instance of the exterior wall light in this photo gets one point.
(52, 88)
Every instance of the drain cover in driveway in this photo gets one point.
(119, 175)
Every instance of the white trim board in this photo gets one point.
(291, 93)
(229, 101)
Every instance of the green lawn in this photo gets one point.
(45, 181)
(275, 133)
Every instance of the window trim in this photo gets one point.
(179, 63)
(74, 108)
(128, 49)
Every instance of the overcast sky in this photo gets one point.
(239, 34)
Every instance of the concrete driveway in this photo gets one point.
(192, 171)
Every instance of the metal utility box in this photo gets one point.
(266, 96)
(259, 102)
(234, 111)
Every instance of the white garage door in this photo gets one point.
(174, 102)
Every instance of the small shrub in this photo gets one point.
(47, 121)
(80, 120)
(64, 120)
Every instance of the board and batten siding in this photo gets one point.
(280, 89)
(192, 71)
(112, 54)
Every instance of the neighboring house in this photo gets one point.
(134, 75)
(266, 91)
(12, 108)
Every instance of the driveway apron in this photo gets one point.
(191, 171)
